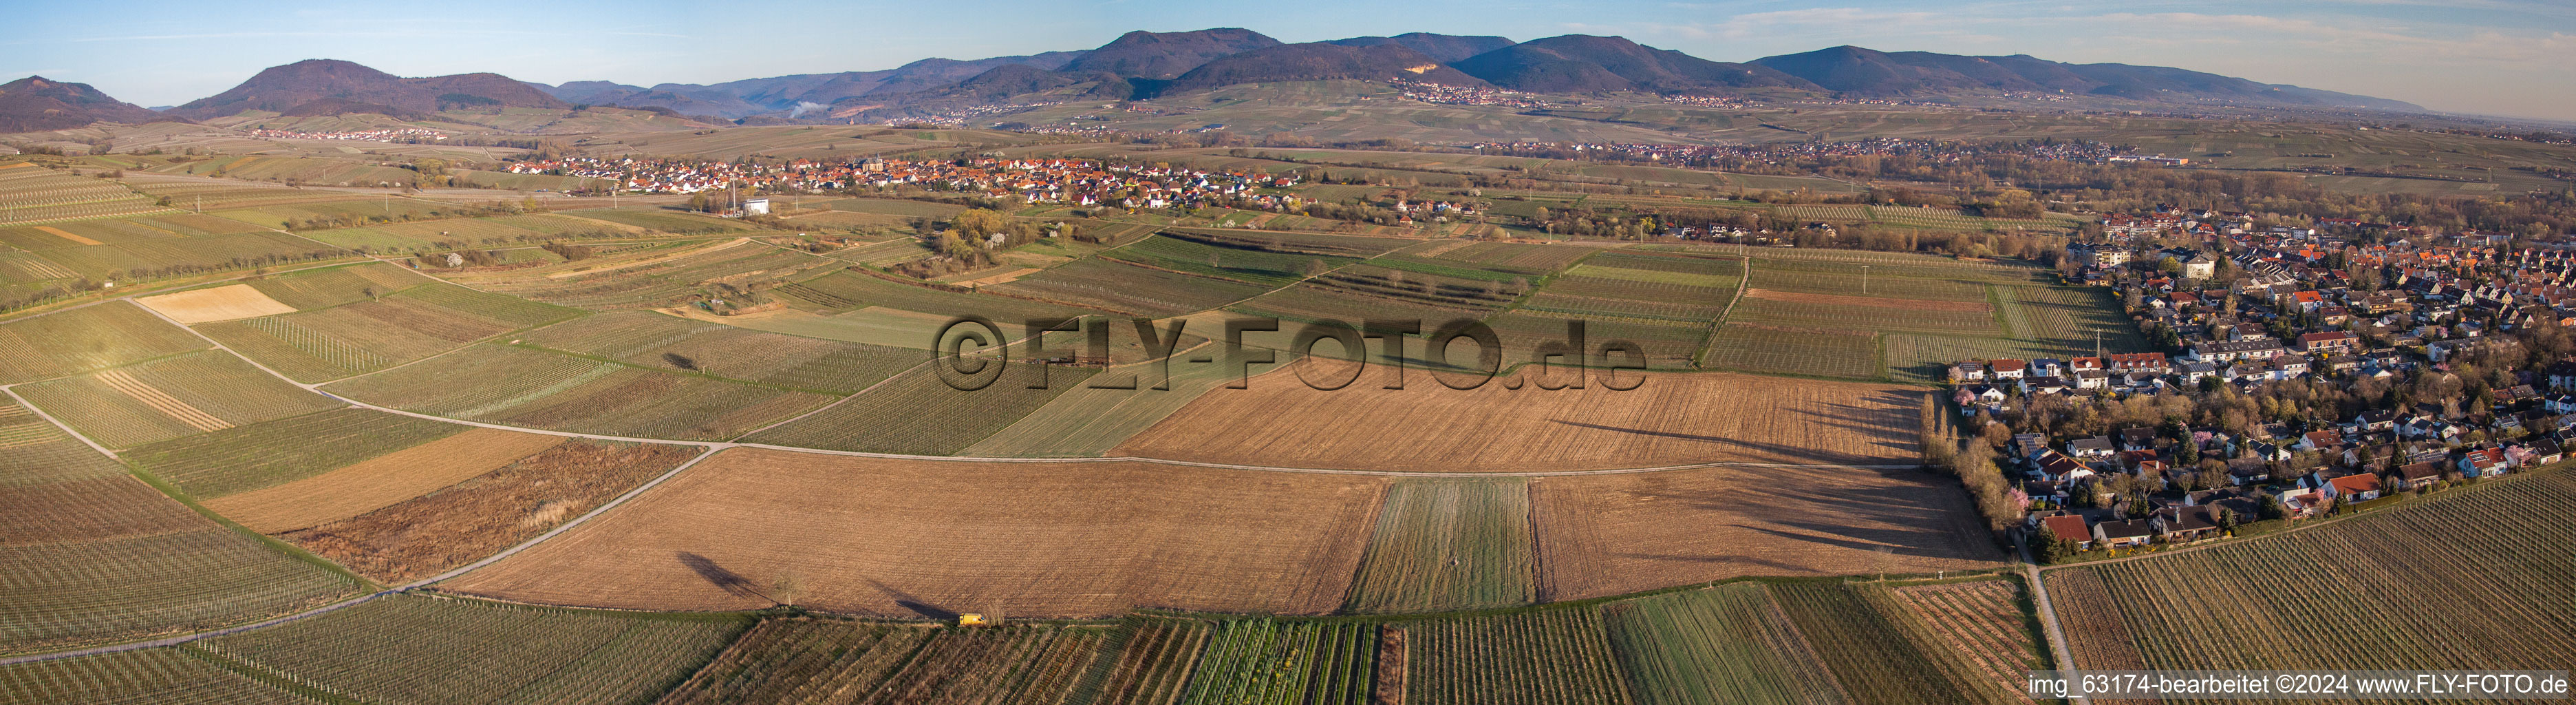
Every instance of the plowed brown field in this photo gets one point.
(750, 528)
(1672, 419)
(1614, 534)
(380, 482)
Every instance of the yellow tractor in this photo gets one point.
(972, 620)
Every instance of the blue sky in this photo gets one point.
(2506, 57)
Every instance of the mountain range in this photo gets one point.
(34, 104)
(1148, 64)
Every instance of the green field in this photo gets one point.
(253, 456)
(92, 555)
(1534, 657)
(86, 339)
(917, 414)
(162, 676)
(413, 649)
(1790, 643)
(1265, 661)
(1449, 545)
(171, 397)
(2493, 547)
(1797, 352)
(650, 339)
(524, 386)
(812, 661)
(1127, 288)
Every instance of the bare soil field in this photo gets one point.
(1612, 534)
(379, 482)
(221, 303)
(751, 528)
(464, 522)
(1672, 419)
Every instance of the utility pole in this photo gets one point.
(1864, 280)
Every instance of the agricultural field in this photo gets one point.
(1262, 268)
(309, 289)
(1530, 657)
(200, 196)
(411, 649)
(352, 339)
(519, 230)
(449, 527)
(1119, 287)
(159, 676)
(119, 230)
(2068, 318)
(1534, 260)
(1668, 344)
(916, 413)
(147, 259)
(2158, 611)
(848, 290)
(1601, 535)
(658, 278)
(1782, 309)
(357, 209)
(1088, 420)
(33, 195)
(1798, 642)
(85, 339)
(1687, 290)
(664, 221)
(89, 554)
(170, 397)
(1109, 536)
(790, 661)
(649, 339)
(1445, 544)
(528, 387)
(1287, 661)
(293, 169)
(1983, 621)
(253, 456)
(1279, 421)
(1807, 353)
(378, 482)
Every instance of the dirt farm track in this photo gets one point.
(751, 527)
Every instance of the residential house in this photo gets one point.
(2070, 527)
(2482, 462)
(2417, 475)
(2359, 487)
(2121, 534)
(2337, 342)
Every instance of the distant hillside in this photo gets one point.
(1443, 48)
(283, 89)
(34, 104)
(1162, 55)
(1866, 72)
(1577, 63)
(1144, 65)
(1321, 61)
(736, 99)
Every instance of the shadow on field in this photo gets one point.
(731, 582)
(908, 601)
(1907, 513)
(1783, 450)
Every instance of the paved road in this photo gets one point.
(2047, 614)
